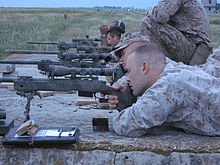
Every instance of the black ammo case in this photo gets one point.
(5, 124)
(43, 137)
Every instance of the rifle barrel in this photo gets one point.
(40, 42)
(30, 52)
(18, 62)
(43, 65)
(7, 79)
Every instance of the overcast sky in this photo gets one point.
(79, 3)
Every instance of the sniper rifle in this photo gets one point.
(28, 87)
(64, 46)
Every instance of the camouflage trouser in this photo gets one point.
(174, 43)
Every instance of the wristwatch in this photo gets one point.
(103, 36)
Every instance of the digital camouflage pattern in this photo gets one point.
(129, 38)
(212, 66)
(178, 26)
(184, 96)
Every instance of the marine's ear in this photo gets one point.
(145, 67)
(116, 37)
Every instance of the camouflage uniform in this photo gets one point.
(183, 96)
(212, 66)
(180, 27)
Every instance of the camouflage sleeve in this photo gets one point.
(150, 110)
(122, 81)
(212, 65)
(164, 10)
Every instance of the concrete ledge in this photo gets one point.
(162, 141)
(164, 147)
(102, 157)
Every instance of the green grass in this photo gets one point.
(19, 25)
(214, 19)
(216, 22)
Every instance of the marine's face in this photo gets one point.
(124, 54)
(112, 41)
(135, 75)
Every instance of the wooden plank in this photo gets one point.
(6, 84)
(86, 101)
(46, 93)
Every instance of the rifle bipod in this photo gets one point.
(29, 96)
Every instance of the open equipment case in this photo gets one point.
(43, 137)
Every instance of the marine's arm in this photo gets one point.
(164, 10)
(152, 109)
(103, 30)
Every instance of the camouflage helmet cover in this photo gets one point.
(129, 38)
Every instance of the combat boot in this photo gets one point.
(201, 54)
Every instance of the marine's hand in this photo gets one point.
(103, 29)
(113, 100)
(119, 86)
